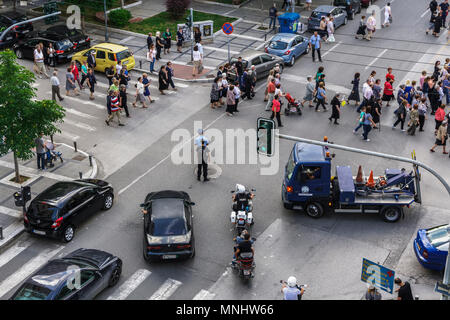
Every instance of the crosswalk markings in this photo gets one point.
(80, 114)
(29, 170)
(127, 39)
(11, 212)
(166, 290)
(204, 295)
(80, 125)
(130, 285)
(68, 135)
(98, 106)
(27, 269)
(13, 251)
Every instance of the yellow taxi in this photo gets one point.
(106, 56)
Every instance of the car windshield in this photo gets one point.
(123, 55)
(317, 15)
(64, 44)
(290, 166)
(168, 227)
(58, 190)
(43, 210)
(278, 45)
(32, 292)
(438, 236)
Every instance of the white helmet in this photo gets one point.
(240, 188)
(292, 281)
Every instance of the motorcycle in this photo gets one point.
(299, 287)
(242, 215)
(245, 264)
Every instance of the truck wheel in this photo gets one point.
(391, 213)
(314, 210)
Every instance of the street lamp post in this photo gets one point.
(106, 21)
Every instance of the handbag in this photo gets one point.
(331, 38)
(200, 67)
(390, 18)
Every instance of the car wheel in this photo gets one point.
(352, 16)
(359, 9)
(314, 210)
(19, 54)
(307, 50)
(193, 253)
(108, 201)
(68, 233)
(115, 276)
(391, 213)
(292, 61)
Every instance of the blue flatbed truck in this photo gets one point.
(308, 184)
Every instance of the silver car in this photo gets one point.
(263, 62)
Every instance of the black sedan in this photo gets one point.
(7, 19)
(59, 209)
(168, 226)
(64, 51)
(79, 39)
(81, 275)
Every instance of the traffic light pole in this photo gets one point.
(106, 21)
(446, 279)
(192, 32)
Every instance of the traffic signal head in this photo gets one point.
(188, 21)
(265, 136)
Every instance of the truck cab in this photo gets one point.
(307, 177)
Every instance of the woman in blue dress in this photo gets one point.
(146, 84)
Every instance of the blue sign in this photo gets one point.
(442, 288)
(377, 275)
(227, 28)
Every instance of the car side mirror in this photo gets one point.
(232, 191)
(192, 203)
(142, 205)
(253, 189)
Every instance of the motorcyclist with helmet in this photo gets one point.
(241, 198)
(244, 244)
(291, 290)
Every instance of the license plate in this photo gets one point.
(169, 256)
(82, 41)
(39, 232)
(69, 56)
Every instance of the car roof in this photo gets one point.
(305, 152)
(248, 54)
(284, 36)
(166, 208)
(60, 191)
(97, 258)
(167, 194)
(325, 8)
(110, 46)
(52, 274)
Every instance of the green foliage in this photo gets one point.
(177, 7)
(119, 18)
(22, 117)
(94, 4)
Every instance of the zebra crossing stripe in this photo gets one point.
(13, 251)
(130, 285)
(204, 295)
(11, 212)
(80, 125)
(80, 114)
(166, 290)
(27, 269)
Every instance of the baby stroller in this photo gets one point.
(52, 154)
(293, 106)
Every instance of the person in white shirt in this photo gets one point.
(118, 69)
(387, 15)
(39, 61)
(140, 93)
(197, 60)
(201, 137)
(237, 95)
(371, 25)
(200, 48)
(55, 86)
(330, 30)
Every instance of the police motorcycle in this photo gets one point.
(244, 264)
(242, 216)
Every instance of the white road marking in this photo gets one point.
(165, 158)
(328, 86)
(98, 106)
(11, 212)
(127, 39)
(79, 113)
(166, 290)
(374, 60)
(68, 135)
(80, 125)
(204, 295)
(332, 48)
(220, 50)
(174, 62)
(13, 251)
(28, 268)
(25, 169)
(428, 10)
(246, 37)
(130, 285)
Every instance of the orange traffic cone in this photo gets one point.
(359, 176)
(371, 182)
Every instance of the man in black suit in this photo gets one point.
(91, 60)
(149, 40)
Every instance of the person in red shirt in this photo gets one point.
(75, 73)
(389, 75)
(271, 91)
(276, 108)
(388, 92)
(439, 116)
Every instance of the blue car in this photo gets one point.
(288, 46)
(339, 15)
(431, 247)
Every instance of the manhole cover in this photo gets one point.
(214, 171)
(79, 157)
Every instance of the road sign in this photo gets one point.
(442, 288)
(227, 28)
(377, 275)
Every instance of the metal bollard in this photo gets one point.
(140, 64)
(90, 160)
(51, 138)
(81, 174)
(1, 233)
(75, 146)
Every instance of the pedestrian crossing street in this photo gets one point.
(140, 279)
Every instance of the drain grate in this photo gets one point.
(79, 157)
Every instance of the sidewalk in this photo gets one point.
(11, 216)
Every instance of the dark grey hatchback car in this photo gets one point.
(59, 209)
(80, 275)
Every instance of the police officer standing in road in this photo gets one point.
(203, 157)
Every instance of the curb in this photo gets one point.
(235, 6)
(94, 161)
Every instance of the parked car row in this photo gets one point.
(60, 209)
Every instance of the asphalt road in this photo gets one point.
(325, 253)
